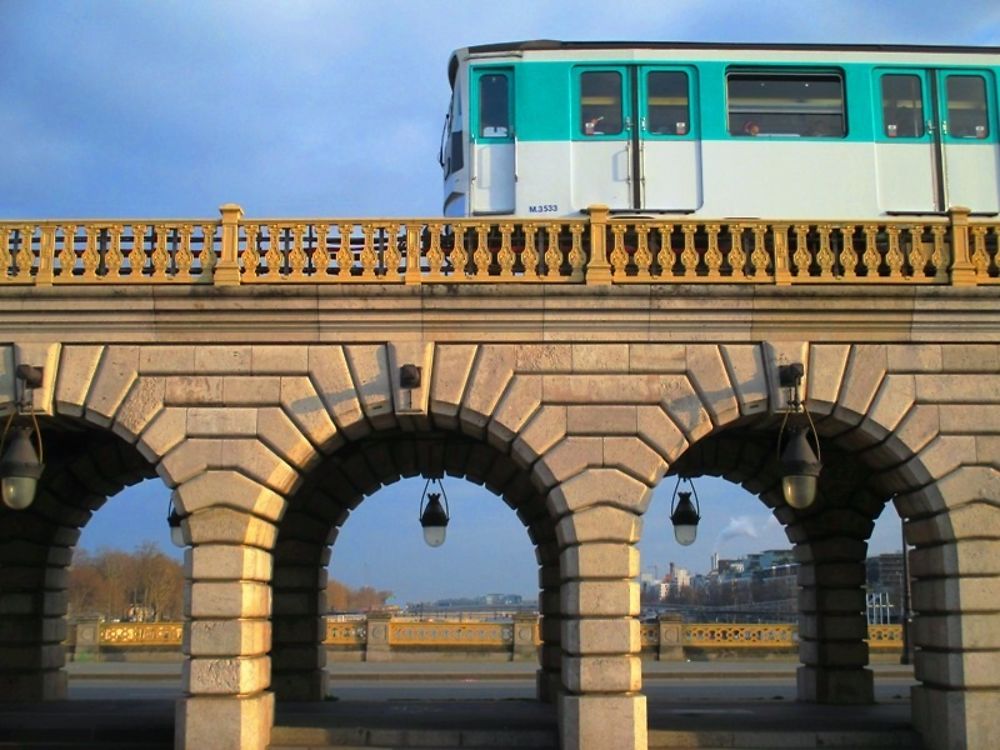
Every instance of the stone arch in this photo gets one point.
(335, 489)
(887, 411)
(84, 467)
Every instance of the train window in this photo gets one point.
(902, 106)
(601, 102)
(780, 103)
(667, 103)
(494, 106)
(967, 107)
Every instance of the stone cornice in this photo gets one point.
(488, 312)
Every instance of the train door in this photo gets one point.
(967, 113)
(669, 147)
(936, 144)
(493, 163)
(602, 138)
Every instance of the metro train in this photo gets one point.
(546, 129)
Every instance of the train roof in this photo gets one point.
(548, 45)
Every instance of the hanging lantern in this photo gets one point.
(434, 517)
(685, 514)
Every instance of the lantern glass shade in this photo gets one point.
(685, 519)
(799, 490)
(21, 470)
(19, 492)
(800, 469)
(685, 534)
(434, 520)
(434, 535)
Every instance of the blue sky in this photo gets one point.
(170, 109)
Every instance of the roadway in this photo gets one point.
(668, 682)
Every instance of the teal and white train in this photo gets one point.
(546, 129)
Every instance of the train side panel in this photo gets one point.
(697, 137)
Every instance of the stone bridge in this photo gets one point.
(254, 367)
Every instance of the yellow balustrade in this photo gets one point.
(885, 637)
(351, 633)
(141, 634)
(451, 634)
(719, 635)
(444, 634)
(598, 249)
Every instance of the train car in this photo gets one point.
(546, 129)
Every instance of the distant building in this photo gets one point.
(885, 583)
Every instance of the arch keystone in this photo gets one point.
(608, 487)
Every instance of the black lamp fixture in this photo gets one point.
(21, 464)
(434, 517)
(174, 522)
(800, 464)
(684, 514)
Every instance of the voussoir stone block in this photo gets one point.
(118, 368)
(608, 487)
(546, 428)
(598, 560)
(600, 523)
(228, 489)
(491, 372)
(306, 409)
(143, 402)
(228, 637)
(277, 359)
(233, 676)
(602, 722)
(228, 562)
(226, 526)
(222, 422)
(282, 436)
(602, 674)
(956, 718)
(330, 372)
(259, 462)
(600, 357)
(225, 723)
(745, 365)
(707, 371)
(166, 360)
(568, 458)
(521, 400)
(632, 456)
(601, 420)
(77, 367)
(969, 670)
(229, 599)
(962, 595)
(593, 636)
(223, 358)
(599, 598)
(966, 631)
(827, 363)
(369, 367)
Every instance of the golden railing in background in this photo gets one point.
(141, 634)
(444, 634)
(450, 634)
(719, 635)
(599, 249)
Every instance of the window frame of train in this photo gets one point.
(772, 102)
(632, 165)
(493, 141)
(929, 165)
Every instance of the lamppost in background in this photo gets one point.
(904, 619)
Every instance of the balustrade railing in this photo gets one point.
(597, 250)
(499, 635)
